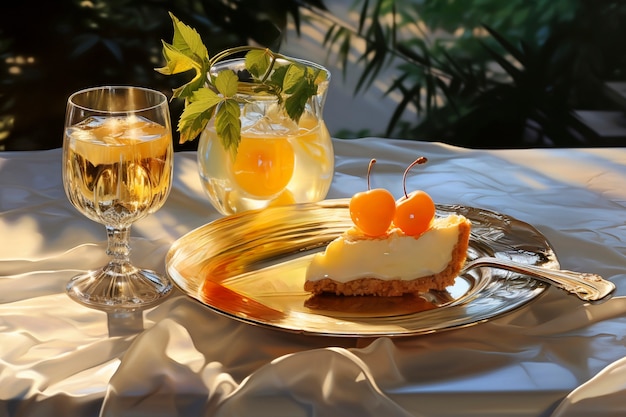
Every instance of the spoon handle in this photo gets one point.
(586, 286)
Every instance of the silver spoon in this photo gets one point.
(586, 286)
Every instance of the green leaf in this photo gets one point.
(176, 61)
(295, 78)
(299, 83)
(207, 97)
(258, 61)
(188, 41)
(197, 113)
(278, 77)
(226, 83)
(186, 53)
(228, 124)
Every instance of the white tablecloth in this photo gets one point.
(555, 357)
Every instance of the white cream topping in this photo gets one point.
(396, 257)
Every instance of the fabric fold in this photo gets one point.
(604, 395)
(322, 382)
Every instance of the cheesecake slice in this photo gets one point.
(392, 264)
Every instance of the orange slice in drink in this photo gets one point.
(264, 165)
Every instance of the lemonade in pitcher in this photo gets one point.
(278, 160)
(259, 115)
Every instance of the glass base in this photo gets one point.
(119, 286)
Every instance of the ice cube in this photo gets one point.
(267, 120)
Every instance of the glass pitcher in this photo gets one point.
(278, 161)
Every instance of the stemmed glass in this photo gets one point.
(117, 169)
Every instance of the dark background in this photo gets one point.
(49, 49)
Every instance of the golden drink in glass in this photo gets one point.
(117, 169)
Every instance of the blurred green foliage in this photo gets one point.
(477, 73)
(491, 73)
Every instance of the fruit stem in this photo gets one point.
(369, 171)
(418, 161)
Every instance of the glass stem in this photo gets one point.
(118, 247)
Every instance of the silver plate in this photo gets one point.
(251, 267)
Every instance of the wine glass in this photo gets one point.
(117, 169)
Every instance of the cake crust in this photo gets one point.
(397, 287)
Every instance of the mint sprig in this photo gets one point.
(207, 96)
